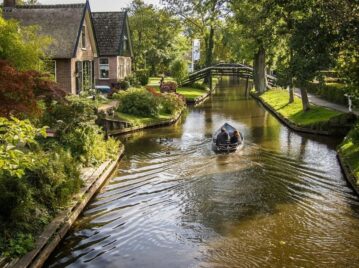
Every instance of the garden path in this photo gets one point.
(321, 102)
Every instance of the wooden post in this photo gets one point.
(247, 84)
(210, 79)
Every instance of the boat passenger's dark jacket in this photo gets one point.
(222, 138)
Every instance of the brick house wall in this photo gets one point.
(66, 68)
(113, 77)
(82, 54)
(120, 67)
(63, 74)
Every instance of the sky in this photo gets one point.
(100, 5)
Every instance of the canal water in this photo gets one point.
(280, 202)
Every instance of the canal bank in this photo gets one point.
(346, 122)
(56, 230)
(281, 201)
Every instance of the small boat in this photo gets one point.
(228, 147)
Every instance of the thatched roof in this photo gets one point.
(109, 30)
(61, 22)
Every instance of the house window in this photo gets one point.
(50, 68)
(83, 37)
(104, 68)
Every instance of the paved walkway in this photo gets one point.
(321, 102)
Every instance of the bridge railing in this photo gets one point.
(231, 69)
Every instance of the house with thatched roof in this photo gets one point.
(73, 49)
(115, 47)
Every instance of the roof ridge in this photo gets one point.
(77, 5)
(109, 12)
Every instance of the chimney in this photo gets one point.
(9, 3)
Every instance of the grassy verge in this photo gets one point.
(349, 150)
(278, 100)
(138, 121)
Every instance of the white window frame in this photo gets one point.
(83, 37)
(99, 68)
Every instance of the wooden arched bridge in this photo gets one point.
(225, 69)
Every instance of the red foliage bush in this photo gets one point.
(169, 87)
(153, 91)
(21, 91)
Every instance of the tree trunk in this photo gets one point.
(291, 82)
(291, 91)
(305, 100)
(210, 46)
(259, 71)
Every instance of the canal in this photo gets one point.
(280, 202)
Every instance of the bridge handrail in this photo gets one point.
(225, 66)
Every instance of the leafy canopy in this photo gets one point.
(22, 46)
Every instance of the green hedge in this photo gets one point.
(333, 92)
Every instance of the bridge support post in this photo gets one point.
(247, 84)
(209, 77)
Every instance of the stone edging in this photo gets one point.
(154, 125)
(286, 121)
(348, 172)
(199, 100)
(59, 226)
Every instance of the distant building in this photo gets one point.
(74, 46)
(115, 47)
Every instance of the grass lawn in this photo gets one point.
(189, 93)
(349, 149)
(155, 81)
(136, 120)
(278, 99)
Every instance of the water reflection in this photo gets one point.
(281, 201)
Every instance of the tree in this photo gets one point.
(20, 92)
(156, 37)
(22, 47)
(179, 70)
(201, 18)
(257, 25)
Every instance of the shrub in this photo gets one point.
(74, 123)
(87, 144)
(34, 183)
(333, 92)
(124, 85)
(169, 87)
(133, 80)
(179, 70)
(20, 92)
(153, 91)
(137, 102)
(143, 77)
(171, 103)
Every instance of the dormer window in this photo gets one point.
(83, 37)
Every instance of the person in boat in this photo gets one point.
(222, 137)
(235, 138)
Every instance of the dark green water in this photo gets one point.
(280, 202)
